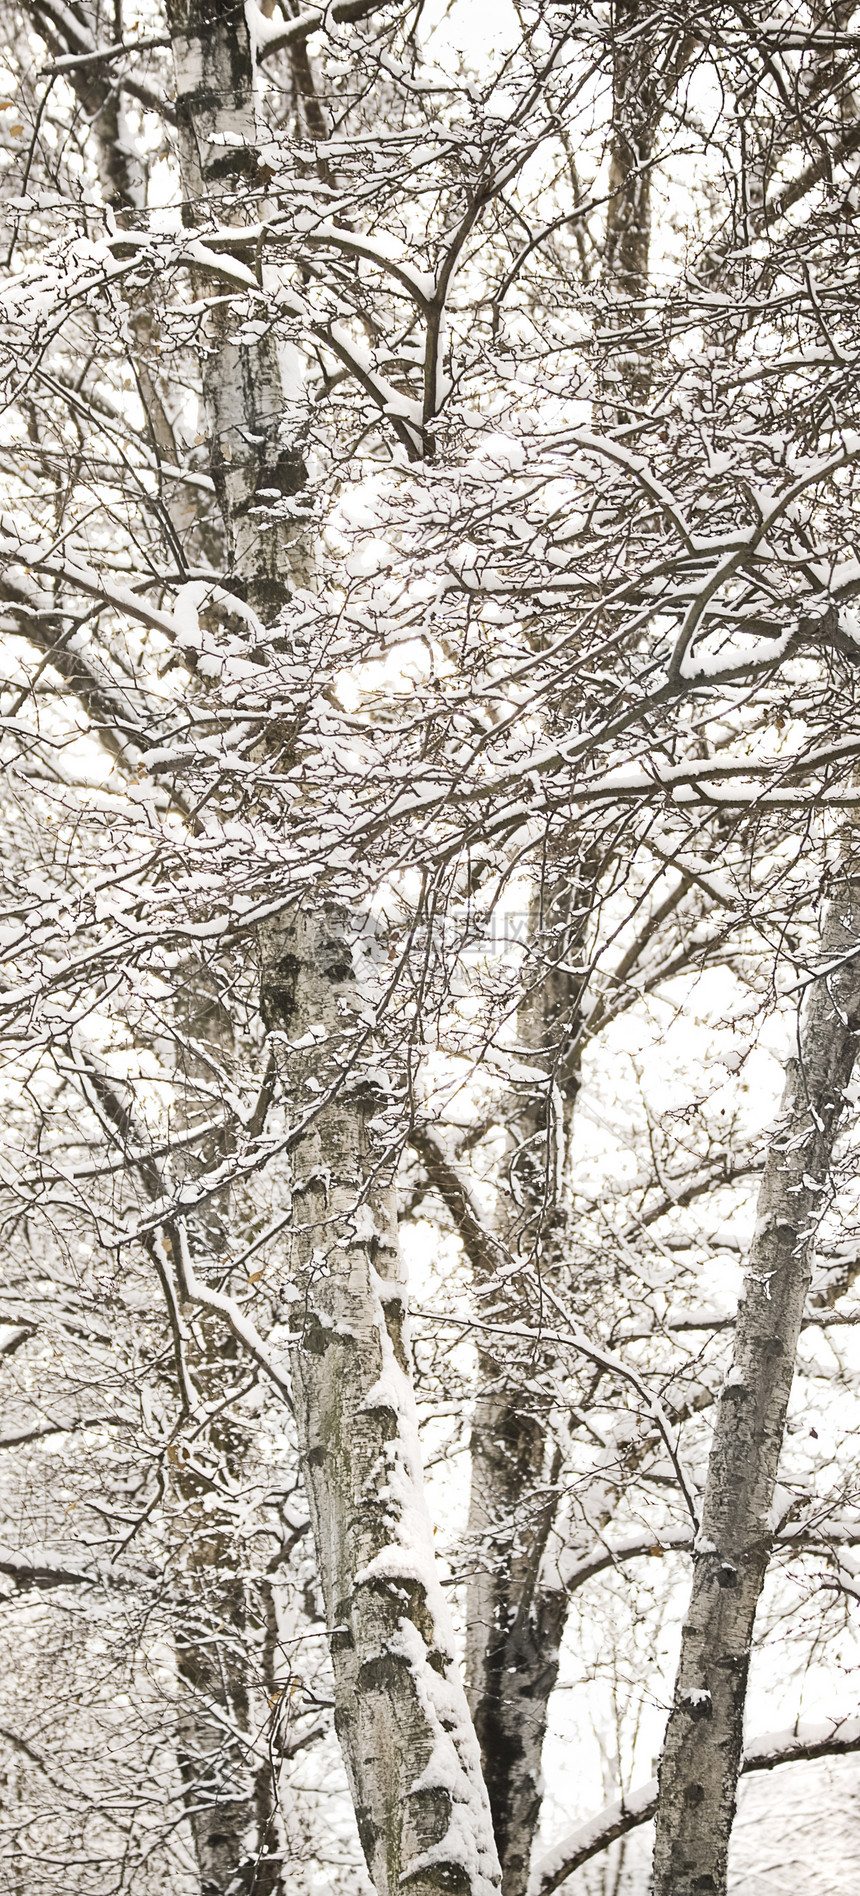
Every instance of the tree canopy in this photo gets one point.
(428, 706)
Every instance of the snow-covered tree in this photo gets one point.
(430, 730)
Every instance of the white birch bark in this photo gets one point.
(243, 398)
(704, 1739)
(401, 1713)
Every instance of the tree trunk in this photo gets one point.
(401, 1712)
(243, 398)
(515, 1621)
(650, 53)
(703, 1748)
(634, 112)
(211, 1605)
(400, 1708)
(514, 1626)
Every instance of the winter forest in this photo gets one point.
(430, 1007)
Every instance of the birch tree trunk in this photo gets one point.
(704, 1739)
(401, 1713)
(514, 1625)
(400, 1708)
(243, 397)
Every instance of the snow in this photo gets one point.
(261, 31)
(222, 264)
(454, 1762)
(380, 249)
(590, 1836)
(495, 447)
(390, 400)
(454, 1765)
(772, 1749)
(364, 1227)
(783, 1501)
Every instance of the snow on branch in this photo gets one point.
(41, 1570)
(313, 20)
(833, 1738)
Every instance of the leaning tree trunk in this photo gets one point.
(408, 1743)
(703, 1749)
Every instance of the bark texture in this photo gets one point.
(635, 111)
(400, 1708)
(401, 1712)
(214, 1713)
(251, 459)
(704, 1739)
(514, 1623)
(218, 1615)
